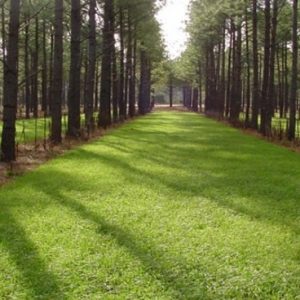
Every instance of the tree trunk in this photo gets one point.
(132, 82)
(35, 70)
(144, 97)
(293, 97)
(50, 86)
(271, 91)
(89, 119)
(266, 76)
(75, 70)
(10, 93)
(229, 74)
(26, 69)
(44, 72)
(122, 109)
(106, 66)
(235, 104)
(3, 39)
(222, 79)
(115, 84)
(255, 94)
(129, 64)
(248, 78)
(171, 90)
(195, 105)
(57, 83)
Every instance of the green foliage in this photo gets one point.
(208, 18)
(172, 206)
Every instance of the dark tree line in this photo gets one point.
(91, 60)
(249, 62)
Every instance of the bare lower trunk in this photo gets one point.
(10, 94)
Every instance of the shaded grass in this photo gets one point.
(27, 130)
(171, 206)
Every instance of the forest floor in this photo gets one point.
(169, 206)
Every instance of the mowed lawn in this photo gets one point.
(170, 206)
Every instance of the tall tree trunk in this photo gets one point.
(3, 37)
(122, 109)
(10, 93)
(75, 70)
(26, 68)
(280, 85)
(271, 91)
(229, 75)
(144, 96)
(200, 87)
(266, 76)
(57, 83)
(255, 94)
(35, 69)
(106, 66)
(286, 81)
(222, 78)
(44, 72)
(293, 97)
(89, 119)
(115, 84)
(132, 83)
(235, 105)
(248, 79)
(129, 63)
(50, 86)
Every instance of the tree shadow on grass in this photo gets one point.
(267, 188)
(41, 282)
(268, 199)
(156, 263)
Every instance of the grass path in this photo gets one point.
(171, 206)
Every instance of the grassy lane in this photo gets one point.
(171, 206)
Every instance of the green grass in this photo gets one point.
(29, 130)
(278, 124)
(171, 206)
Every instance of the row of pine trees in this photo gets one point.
(92, 57)
(246, 58)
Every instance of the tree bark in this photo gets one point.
(195, 104)
(106, 66)
(75, 70)
(144, 96)
(57, 83)
(35, 69)
(122, 109)
(10, 93)
(89, 119)
(293, 97)
(266, 72)
(132, 83)
(255, 94)
(26, 69)
(44, 72)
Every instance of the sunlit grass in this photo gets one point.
(171, 206)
